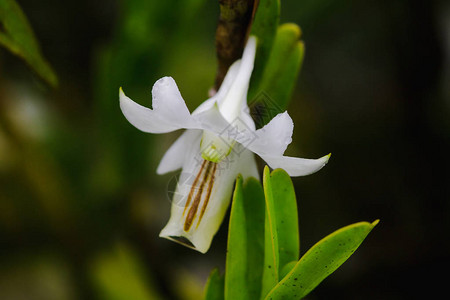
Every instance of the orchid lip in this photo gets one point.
(182, 240)
(200, 190)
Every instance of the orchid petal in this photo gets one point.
(169, 111)
(219, 96)
(174, 158)
(274, 137)
(247, 163)
(227, 82)
(211, 119)
(234, 101)
(247, 119)
(296, 166)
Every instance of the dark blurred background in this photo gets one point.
(81, 206)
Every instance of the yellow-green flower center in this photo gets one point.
(215, 148)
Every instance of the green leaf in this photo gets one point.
(278, 80)
(282, 234)
(17, 36)
(285, 207)
(271, 253)
(245, 253)
(236, 262)
(264, 27)
(214, 286)
(255, 219)
(320, 261)
(287, 268)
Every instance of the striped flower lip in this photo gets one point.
(219, 143)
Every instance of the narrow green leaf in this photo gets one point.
(214, 286)
(264, 27)
(285, 207)
(255, 221)
(320, 261)
(282, 237)
(278, 80)
(245, 253)
(17, 36)
(287, 268)
(271, 257)
(236, 261)
(284, 64)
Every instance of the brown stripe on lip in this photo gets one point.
(208, 193)
(193, 210)
(194, 185)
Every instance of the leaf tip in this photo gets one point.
(280, 172)
(375, 223)
(292, 27)
(239, 178)
(266, 171)
(52, 79)
(238, 184)
(251, 180)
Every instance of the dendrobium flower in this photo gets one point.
(219, 143)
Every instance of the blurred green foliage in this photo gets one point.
(264, 26)
(17, 36)
(119, 275)
(74, 182)
(274, 91)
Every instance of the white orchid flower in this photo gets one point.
(217, 146)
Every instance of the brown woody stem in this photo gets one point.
(232, 32)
